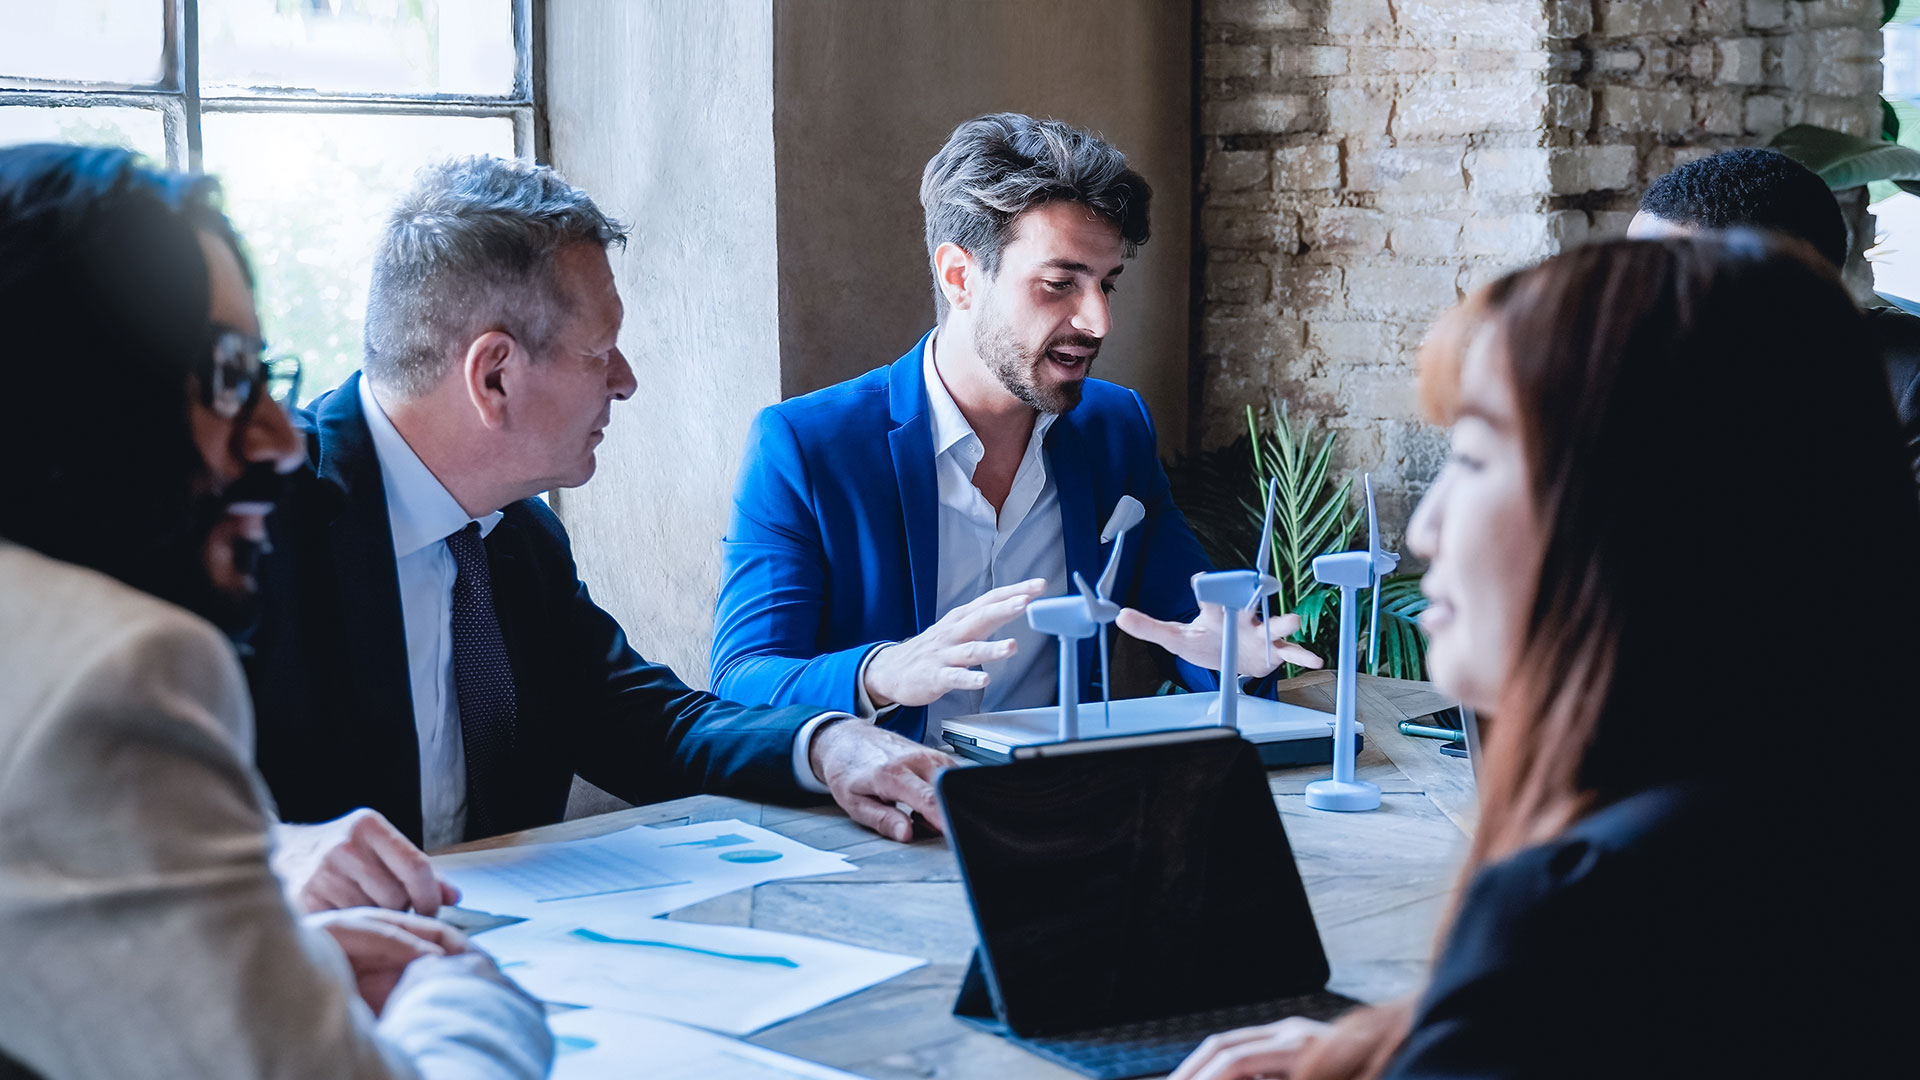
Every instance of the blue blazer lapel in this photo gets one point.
(911, 443)
(1073, 478)
(369, 584)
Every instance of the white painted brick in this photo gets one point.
(1250, 341)
(1291, 61)
(1569, 108)
(1508, 170)
(1720, 112)
(1610, 223)
(1234, 229)
(1359, 17)
(1359, 110)
(1766, 14)
(1306, 168)
(1619, 17)
(1630, 109)
(1256, 14)
(1402, 169)
(1346, 231)
(1742, 62)
(1466, 110)
(1469, 23)
(1593, 168)
(1423, 237)
(1508, 236)
(1255, 114)
(1720, 17)
(1368, 342)
(1236, 282)
(1621, 61)
(1306, 288)
(1569, 18)
(1221, 61)
(1765, 114)
(1237, 170)
(1411, 290)
(1565, 228)
(1862, 13)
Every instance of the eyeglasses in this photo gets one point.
(237, 371)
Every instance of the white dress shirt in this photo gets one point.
(421, 514)
(981, 550)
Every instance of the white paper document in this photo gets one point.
(727, 978)
(639, 870)
(595, 1045)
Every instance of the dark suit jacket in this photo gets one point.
(330, 677)
(1899, 337)
(1686, 931)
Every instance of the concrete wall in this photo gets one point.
(664, 113)
(867, 90)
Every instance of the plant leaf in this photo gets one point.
(1849, 161)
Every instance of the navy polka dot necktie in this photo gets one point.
(483, 682)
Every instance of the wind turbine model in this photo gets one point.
(1237, 591)
(1072, 618)
(1351, 570)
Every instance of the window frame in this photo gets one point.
(177, 95)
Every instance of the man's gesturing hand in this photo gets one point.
(355, 861)
(919, 670)
(1198, 642)
(380, 944)
(869, 769)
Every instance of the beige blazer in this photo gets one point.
(141, 932)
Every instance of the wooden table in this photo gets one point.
(1378, 883)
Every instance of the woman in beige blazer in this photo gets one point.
(142, 932)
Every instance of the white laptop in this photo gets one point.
(1285, 734)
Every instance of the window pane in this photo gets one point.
(141, 130)
(111, 41)
(359, 46)
(309, 194)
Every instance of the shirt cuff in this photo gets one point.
(803, 751)
(865, 710)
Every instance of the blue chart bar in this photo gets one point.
(602, 939)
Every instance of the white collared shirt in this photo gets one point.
(981, 550)
(421, 514)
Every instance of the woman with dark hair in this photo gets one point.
(1662, 452)
(142, 930)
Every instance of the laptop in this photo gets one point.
(1284, 734)
(1132, 895)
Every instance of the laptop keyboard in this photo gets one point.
(1150, 1047)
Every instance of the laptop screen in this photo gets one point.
(1131, 884)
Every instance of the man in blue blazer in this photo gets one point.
(428, 650)
(886, 528)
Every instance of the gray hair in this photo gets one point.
(996, 167)
(470, 249)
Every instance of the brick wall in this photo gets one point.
(1365, 162)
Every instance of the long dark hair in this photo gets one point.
(104, 305)
(1716, 467)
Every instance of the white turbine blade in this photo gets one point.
(1262, 555)
(1373, 632)
(1265, 631)
(1126, 514)
(1113, 567)
(1092, 599)
(1373, 524)
(1106, 684)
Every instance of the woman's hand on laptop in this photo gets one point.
(1268, 1050)
(923, 668)
(1262, 646)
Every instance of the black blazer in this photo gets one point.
(329, 672)
(1685, 931)
(1899, 337)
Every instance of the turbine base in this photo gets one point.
(1346, 796)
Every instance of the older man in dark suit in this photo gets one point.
(429, 651)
